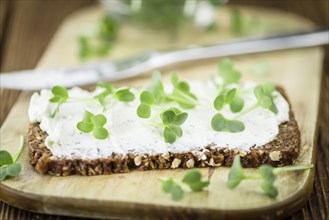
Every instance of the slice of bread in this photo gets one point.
(283, 150)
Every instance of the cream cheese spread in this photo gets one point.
(130, 134)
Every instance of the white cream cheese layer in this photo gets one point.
(129, 133)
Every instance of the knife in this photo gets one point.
(147, 61)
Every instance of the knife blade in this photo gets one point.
(147, 61)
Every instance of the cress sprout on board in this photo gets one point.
(266, 174)
(9, 167)
(176, 188)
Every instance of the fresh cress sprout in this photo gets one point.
(266, 174)
(264, 95)
(265, 99)
(93, 123)
(9, 167)
(176, 188)
(219, 122)
(182, 94)
(121, 94)
(156, 97)
(227, 96)
(147, 100)
(228, 73)
(102, 43)
(60, 95)
(172, 119)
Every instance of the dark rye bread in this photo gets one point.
(283, 150)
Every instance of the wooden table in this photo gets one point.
(26, 28)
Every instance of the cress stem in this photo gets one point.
(256, 105)
(292, 168)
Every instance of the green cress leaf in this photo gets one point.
(175, 110)
(101, 99)
(237, 104)
(234, 126)
(85, 126)
(177, 192)
(266, 172)
(5, 158)
(84, 47)
(229, 96)
(100, 133)
(236, 173)
(259, 92)
(176, 130)
(60, 95)
(59, 91)
(167, 185)
(184, 87)
(219, 102)
(171, 186)
(10, 171)
(156, 87)
(87, 116)
(180, 118)
(198, 186)
(55, 99)
(265, 102)
(99, 120)
(174, 79)
(13, 169)
(269, 189)
(228, 73)
(3, 173)
(193, 180)
(269, 177)
(268, 88)
(218, 122)
(168, 117)
(144, 111)
(124, 95)
(107, 86)
(169, 135)
(147, 97)
(192, 176)
(273, 108)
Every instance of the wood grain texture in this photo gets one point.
(317, 206)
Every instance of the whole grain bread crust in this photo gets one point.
(283, 150)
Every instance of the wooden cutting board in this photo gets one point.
(138, 194)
